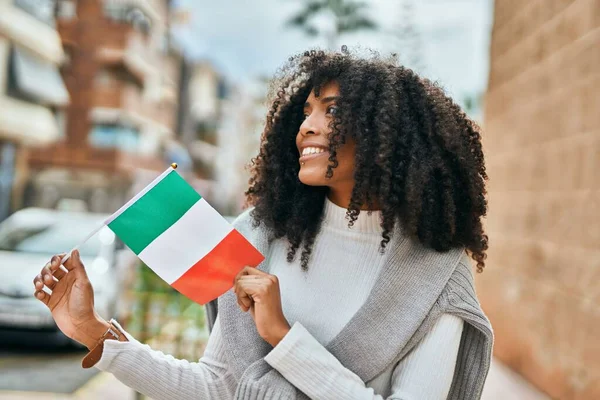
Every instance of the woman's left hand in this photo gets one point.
(258, 292)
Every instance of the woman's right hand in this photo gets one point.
(72, 299)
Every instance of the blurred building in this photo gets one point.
(221, 130)
(541, 288)
(244, 116)
(205, 92)
(122, 75)
(33, 96)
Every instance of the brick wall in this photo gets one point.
(542, 139)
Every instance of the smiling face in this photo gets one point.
(313, 144)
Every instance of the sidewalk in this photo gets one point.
(505, 384)
(102, 386)
(502, 384)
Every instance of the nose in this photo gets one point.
(308, 127)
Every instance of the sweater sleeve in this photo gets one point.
(425, 373)
(161, 376)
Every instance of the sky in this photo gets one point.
(248, 38)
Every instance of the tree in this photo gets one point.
(347, 15)
(409, 37)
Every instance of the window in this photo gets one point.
(4, 65)
(164, 44)
(222, 89)
(8, 152)
(61, 121)
(43, 10)
(25, 233)
(66, 10)
(35, 80)
(139, 20)
(113, 136)
(113, 76)
(124, 13)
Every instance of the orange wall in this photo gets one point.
(541, 288)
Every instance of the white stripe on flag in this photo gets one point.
(186, 242)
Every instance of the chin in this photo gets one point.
(312, 178)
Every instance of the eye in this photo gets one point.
(332, 110)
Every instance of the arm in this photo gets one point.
(162, 376)
(425, 373)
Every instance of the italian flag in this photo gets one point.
(185, 241)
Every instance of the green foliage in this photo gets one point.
(154, 303)
(349, 16)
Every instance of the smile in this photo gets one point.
(308, 153)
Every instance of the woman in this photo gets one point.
(377, 180)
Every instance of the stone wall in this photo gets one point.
(541, 287)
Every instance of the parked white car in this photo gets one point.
(28, 239)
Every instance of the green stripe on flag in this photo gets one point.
(154, 212)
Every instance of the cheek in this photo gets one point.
(314, 171)
(345, 157)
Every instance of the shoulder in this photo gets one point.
(462, 279)
(245, 221)
(244, 216)
(253, 230)
(459, 297)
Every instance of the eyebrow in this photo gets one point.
(324, 100)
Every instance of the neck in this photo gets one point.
(342, 199)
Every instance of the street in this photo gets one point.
(40, 374)
(42, 370)
(28, 373)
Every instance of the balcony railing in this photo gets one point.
(109, 160)
(131, 101)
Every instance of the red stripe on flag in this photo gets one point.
(213, 275)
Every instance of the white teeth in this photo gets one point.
(312, 150)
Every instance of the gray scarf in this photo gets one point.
(415, 287)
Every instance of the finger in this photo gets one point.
(55, 264)
(243, 299)
(255, 290)
(253, 278)
(252, 271)
(48, 279)
(253, 287)
(50, 271)
(42, 296)
(59, 274)
(266, 280)
(239, 275)
(74, 262)
(37, 282)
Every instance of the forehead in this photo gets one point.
(330, 89)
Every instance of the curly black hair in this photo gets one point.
(418, 156)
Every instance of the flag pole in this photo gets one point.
(88, 237)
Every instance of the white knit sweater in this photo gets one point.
(317, 303)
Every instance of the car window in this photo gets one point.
(55, 238)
